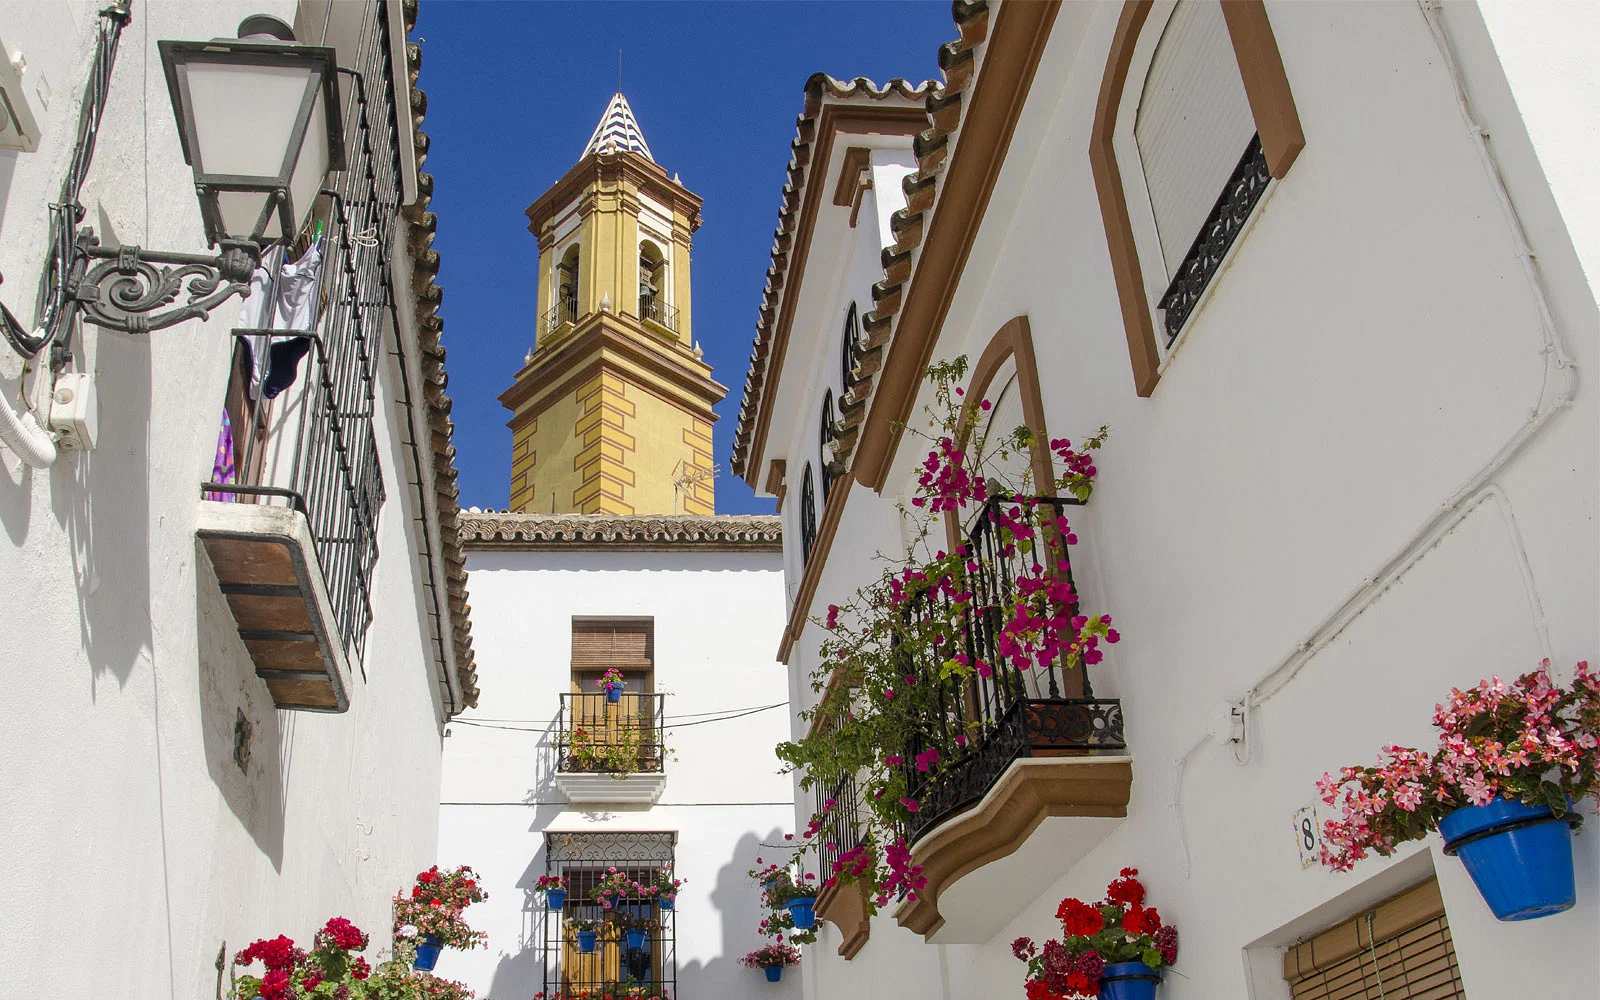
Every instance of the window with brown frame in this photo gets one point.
(1400, 950)
(1193, 120)
(599, 644)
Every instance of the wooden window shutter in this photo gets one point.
(627, 644)
(1400, 950)
(1193, 124)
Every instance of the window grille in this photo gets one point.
(613, 967)
(313, 447)
(825, 437)
(808, 515)
(847, 349)
(1401, 950)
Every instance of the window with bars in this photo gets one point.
(1399, 950)
(617, 967)
(1202, 165)
(297, 424)
(827, 436)
(847, 349)
(808, 515)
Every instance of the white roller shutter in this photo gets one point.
(1193, 124)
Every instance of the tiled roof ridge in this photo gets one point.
(819, 88)
(932, 148)
(421, 226)
(745, 530)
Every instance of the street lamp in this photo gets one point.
(260, 126)
(259, 119)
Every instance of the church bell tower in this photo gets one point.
(611, 414)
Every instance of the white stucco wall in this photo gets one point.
(1371, 345)
(716, 616)
(146, 848)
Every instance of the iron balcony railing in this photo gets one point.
(656, 311)
(839, 807)
(313, 447)
(1011, 713)
(596, 736)
(564, 311)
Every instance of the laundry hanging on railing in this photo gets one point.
(283, 296)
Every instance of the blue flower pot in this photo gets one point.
(555, 898)
(774, 972)
(803, 910)
(427, 954)
(635, 939)
(668, 902)
(586, 941)
(1520, 856)
(613, 693)
(1128, 981)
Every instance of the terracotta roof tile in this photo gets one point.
(421, 227)
(931, 147)
(819, 90)
(723, 532)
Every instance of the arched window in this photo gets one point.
(826, 437)
(847, 349)
(652, 284)
(566, 307)
(997, 456)
(808, 515)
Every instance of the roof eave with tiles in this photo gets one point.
(958, 61)
(421, 227)
(820, 91)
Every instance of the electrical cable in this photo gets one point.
(67, 212)
(541, 726)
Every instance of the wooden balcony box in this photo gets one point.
(267, 567)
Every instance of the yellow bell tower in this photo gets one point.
(611, 414)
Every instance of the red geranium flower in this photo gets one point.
(1139, 920)
(1127, 889)
(1079, 918)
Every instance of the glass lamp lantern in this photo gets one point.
(260, 125)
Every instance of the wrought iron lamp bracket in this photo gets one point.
(126, 290)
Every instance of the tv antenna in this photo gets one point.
(684, 481)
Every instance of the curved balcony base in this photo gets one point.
(986, 863)
(846, 908)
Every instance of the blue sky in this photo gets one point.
(514, 90)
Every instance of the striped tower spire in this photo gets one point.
(618, 129)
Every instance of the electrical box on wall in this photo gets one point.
(19, 129)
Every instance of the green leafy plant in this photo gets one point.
(894, 661)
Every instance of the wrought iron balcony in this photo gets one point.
(1013, 713)
(652, 308)
(609, 751)
(564, 311)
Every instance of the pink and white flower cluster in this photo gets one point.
(1532, 740)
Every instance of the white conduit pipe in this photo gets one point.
(1478, 487)
(20, 431)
